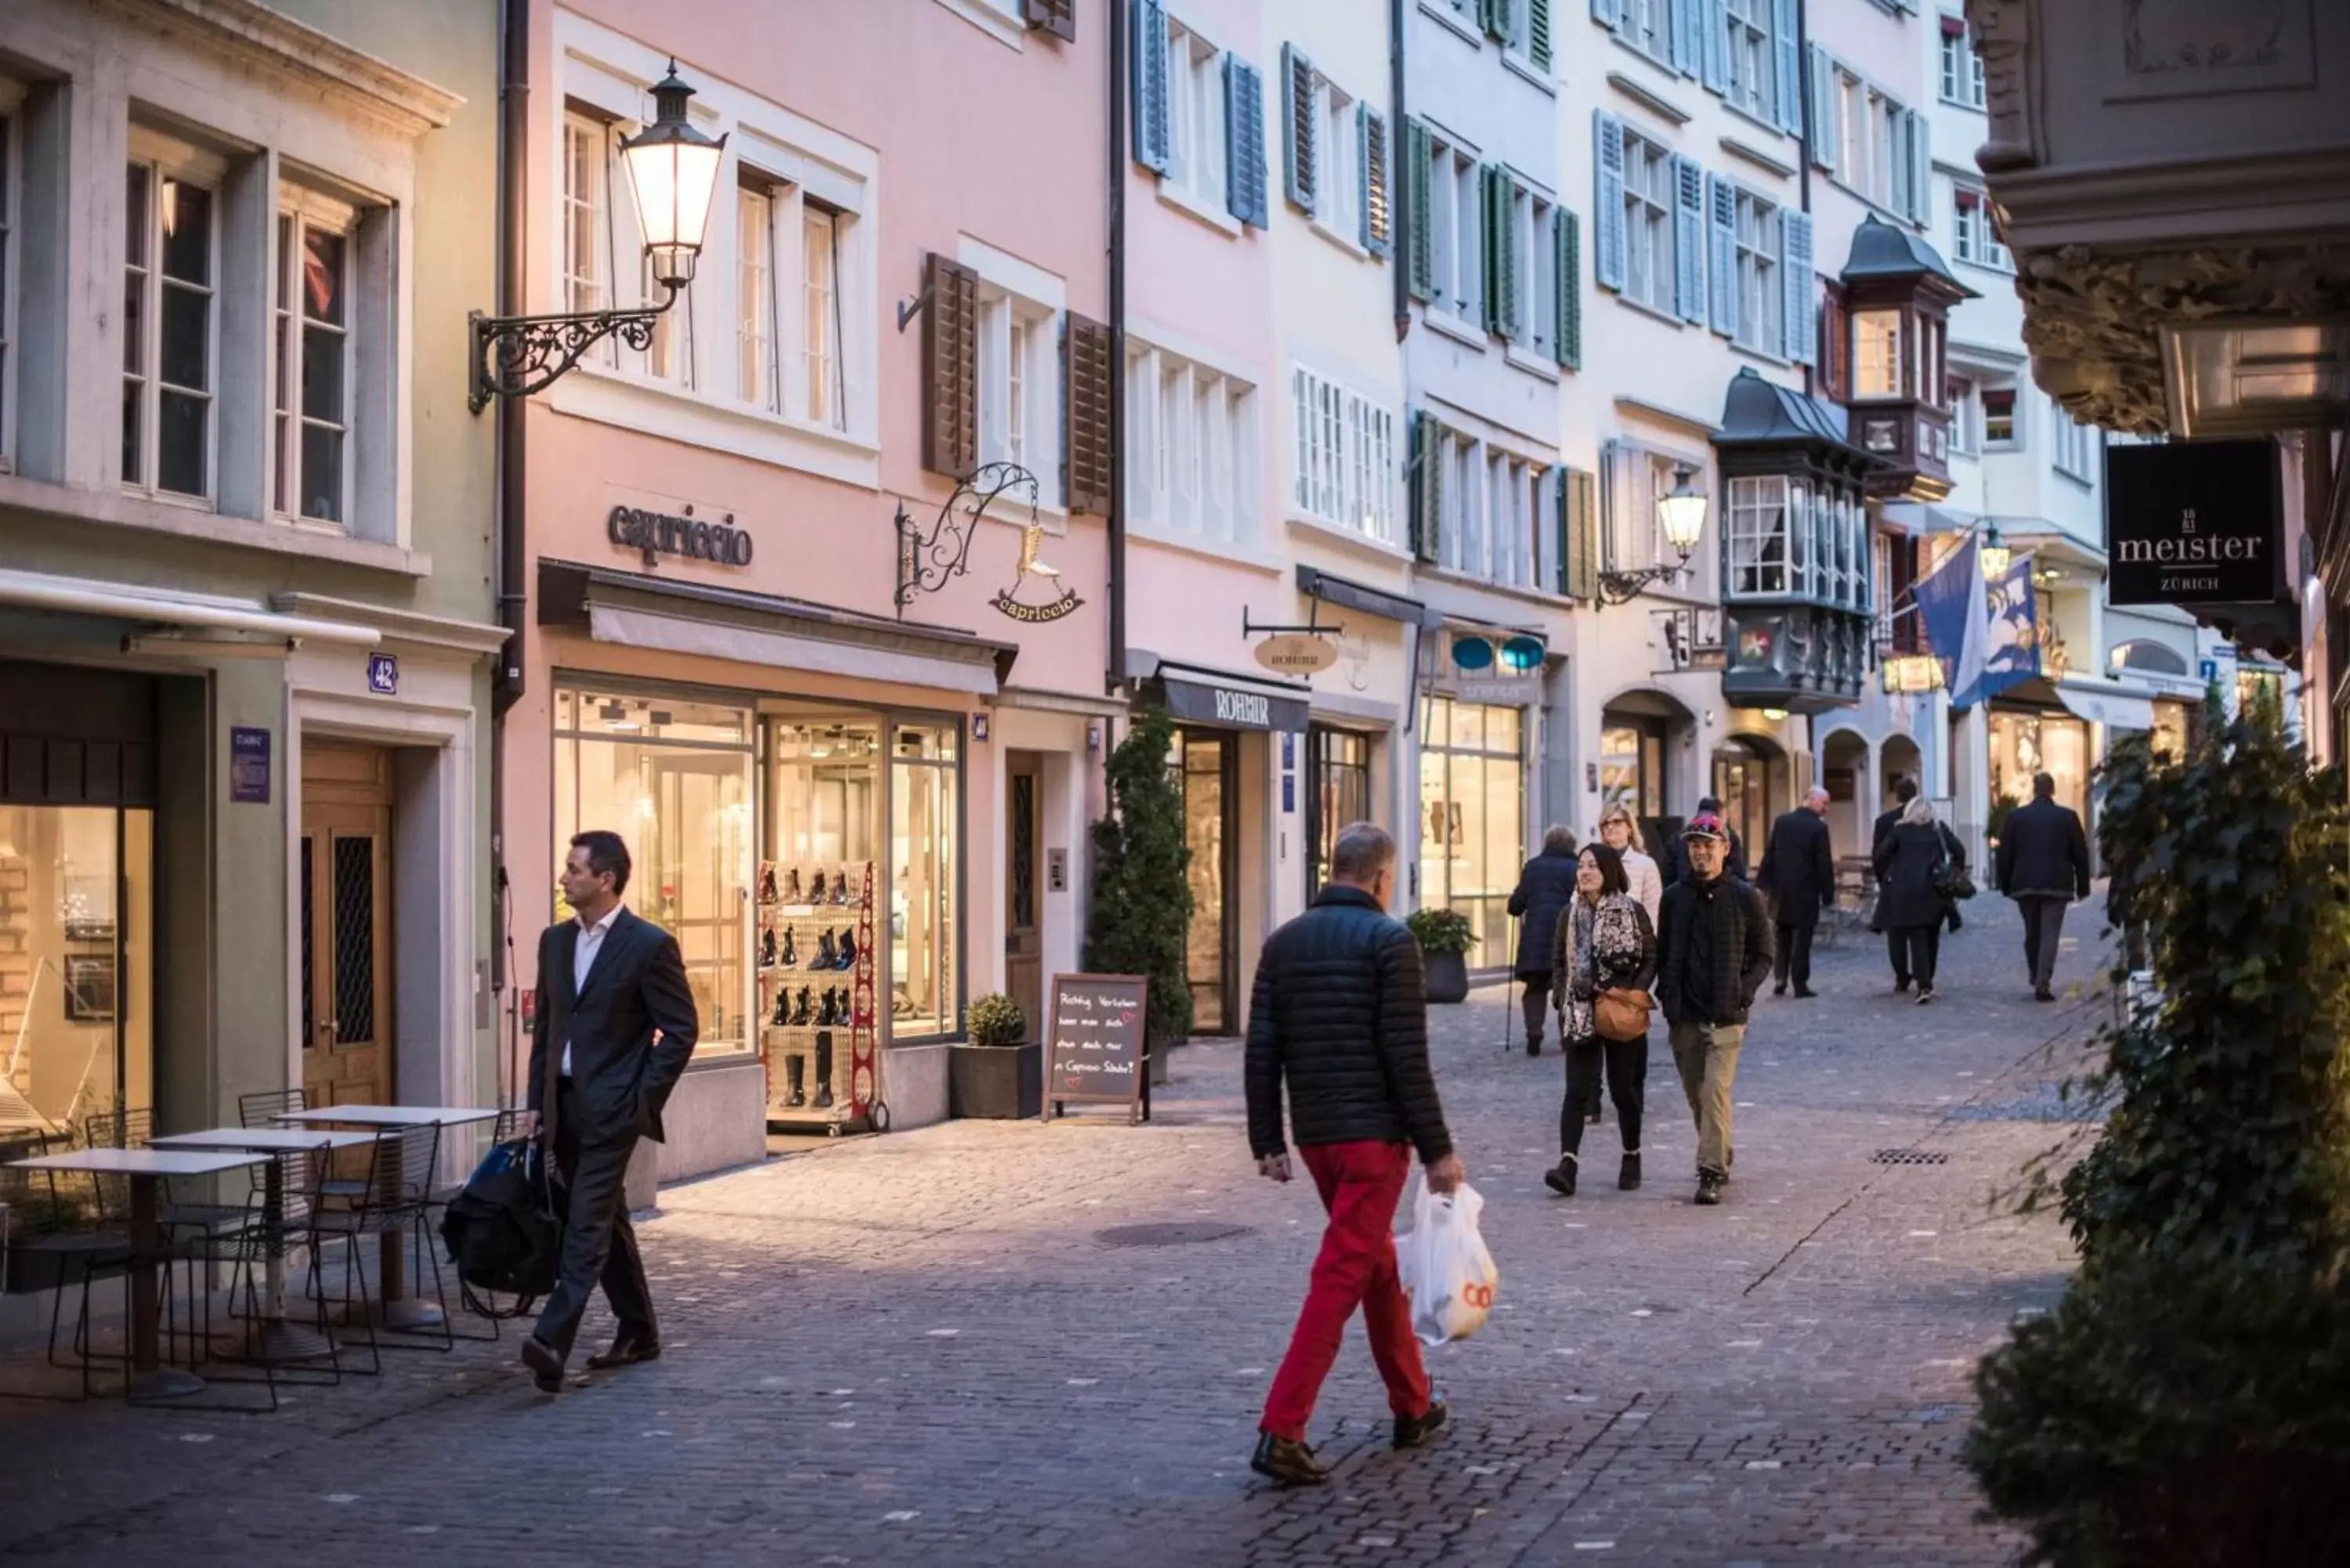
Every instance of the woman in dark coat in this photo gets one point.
(1545, 887)
(1910, 861)
(1605, 942)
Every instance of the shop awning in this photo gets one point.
(145, 607)
(1198, 696)
(636, 611)
(1316, 583)
(2116, 709)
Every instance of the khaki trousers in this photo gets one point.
(1707, 1057)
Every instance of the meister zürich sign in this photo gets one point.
(658, 534)
(2194, 523)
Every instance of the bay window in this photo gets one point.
(1877, 354)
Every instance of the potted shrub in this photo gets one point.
(1445, 937)
(999, 1074)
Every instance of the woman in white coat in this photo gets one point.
(1621, 833)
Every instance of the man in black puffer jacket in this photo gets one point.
(1713, 952)
(1341, 1014)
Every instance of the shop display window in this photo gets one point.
(1473, 818)
(817, 907)
(925, 817)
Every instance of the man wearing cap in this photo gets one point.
(1713, 954)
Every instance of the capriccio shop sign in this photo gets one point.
(657, 533)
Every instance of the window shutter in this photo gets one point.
(1420, 243)
(1501, 250)
(1713, 21)
(1244, 172)
(1427, 484)
(1538, 33)
(1091, 468)
(1607, 201)
(1149, 47)
(1298, 163)
(1797, 329)
(950, 368)
(1568, 239)
(1378, 202)
(1687, 46)
(1824, 109)
(1608, 13)
(1721, 201)
(1058, 18)
(1921, 176)
(1902, 175)
(1490, 252)
(1494, 16)
(1835, 352)
(1689, 239)
(1578, 529)
(1787, 50)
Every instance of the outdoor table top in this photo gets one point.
(389, 1116)
(263, 1141)
(142, 1161)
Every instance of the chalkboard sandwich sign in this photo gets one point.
(1096, 1053)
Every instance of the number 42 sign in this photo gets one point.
(383, 674)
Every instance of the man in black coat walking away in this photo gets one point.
(1799, 876)
(1713, 949)
(2043, 865)
(1896, 943)
(1545, 888)
(1339, 1016)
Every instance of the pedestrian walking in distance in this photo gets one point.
(1913, 863)
(2043, 865)
(1897, 945)
(1713, 952)
(1621, 833)
(1605, 949)
(1339, 1018)
(1798, 875)
(1544, 889)
(614, 1027)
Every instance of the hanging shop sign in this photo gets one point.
(1209, 702)
(1296, 653)
(2194, 523)
(1032, 565)
(654, 535)
(1912, 672)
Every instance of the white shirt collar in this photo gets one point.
(602, 926)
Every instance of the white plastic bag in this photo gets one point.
(1444, 1265)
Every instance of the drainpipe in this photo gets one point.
(1399, 179)
(1114, 676)
(506, 683)
(1803, 85)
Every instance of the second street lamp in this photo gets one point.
(673, 168)
(1681, 515)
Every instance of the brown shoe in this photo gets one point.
(625, 1350)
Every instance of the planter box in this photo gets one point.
(1448, 976)
(998, 1083)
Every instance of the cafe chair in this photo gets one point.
(264, 1106)
(72, 1248)
(398, 1185)
(275, 1347)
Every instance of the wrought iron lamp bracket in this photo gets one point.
(1623, 587)
(517, 356)
(930, 558)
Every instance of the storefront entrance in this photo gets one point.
(1206, 764)
(1472, 813)
(1750, 779)
(344, 881)
(2024, 743)
(1337, 792)
(1023, 933)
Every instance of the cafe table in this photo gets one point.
(146, 1170)
(280, 1341)
(399, 1311)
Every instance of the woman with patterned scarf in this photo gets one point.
(1605, 942)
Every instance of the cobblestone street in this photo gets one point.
(928, 1348)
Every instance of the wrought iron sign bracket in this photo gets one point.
(930, 558)
(910, 308)
(1623, 587)
(1313, 626)
(517, 356)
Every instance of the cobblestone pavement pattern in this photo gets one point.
(917, 1349)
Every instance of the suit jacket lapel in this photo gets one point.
(614, 938)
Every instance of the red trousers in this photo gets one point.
(1360, 1185)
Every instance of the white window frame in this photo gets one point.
(2014, 439)
(1342, 456)
(1530, 213)
(1964, 396)
(1890, 360)
(1758, 514)
(1634, 477)
(165, 158)
(1197, 116)
(1753, 65)
(1337, 158)
(2074, 446)
(300, 210)
(758, 378)
(1020, 387)
(586, 275)
(1974, 237)
(1192, 458)
(1761, 291)
(1648, 30)
(822, 380)
(1961, 73)
(1457, 251)
(1650, 242)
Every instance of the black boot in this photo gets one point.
(791, 952)
(823, 1069)
(796, 1072)
(768, 892)
(1560, 1178)
(1287, 1460)
(827, 955)
(816, 888)
(782, 1018)
(840, 886)
(847, 958)
(767, 947)
(824, 1010)
(800, 1011)
(1627, 1178)
(791, 894)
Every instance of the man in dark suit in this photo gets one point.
(613, 1029)
(1896, 946)
(2043, 865)
(1799, 874)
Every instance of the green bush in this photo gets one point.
(1141, 896)
(1441, 930)
(996, 1020)
(2188, 1401)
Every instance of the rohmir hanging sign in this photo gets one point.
(1297, 653)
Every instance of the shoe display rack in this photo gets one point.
(815, 952)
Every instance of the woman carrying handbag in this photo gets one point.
(1604, 960)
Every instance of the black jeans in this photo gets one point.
(1795, 956)
(2043, 931)
(599, 1244)
(1924, 951)
(1626, 1064)
(1896, 948)
(1536, 1002)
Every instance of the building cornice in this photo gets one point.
(268, 39)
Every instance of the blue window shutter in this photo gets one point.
(1608, 13)
(1378, 188)
(1419, 215)
(1721, 202)
(1148, 48)
(1567, 236)
(1689, 239)
(1244, 173)
(1714, 20)
(1921, 178)
(1538, 33)
(1607, 201)
(1823, 107)
(1800, 333)
(1787, 50)
(1688, 44)
(1299, 123)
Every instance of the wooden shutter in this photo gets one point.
(1567, 240)
(1787, 52)
(1799, 336)
(1607, 201)
(1058, 18)
(1244, 172)
(1420, 241)
(1578, 535)
(1148, 45)
(1090, 471)
(1378, 204)
(1835, 355)
(1297, 118)
(1538, 33)
(1824, 109)
(1427, 484)
(1689, 239)
(1713, 20)
(1721, 205)
(950, 368)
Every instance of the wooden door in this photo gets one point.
(1023, 886)
(345, 882)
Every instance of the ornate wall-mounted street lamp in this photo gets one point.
(1996, 556)
(1681, 515)
(673, 173)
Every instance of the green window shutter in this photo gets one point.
(1538, 33)
(1427, 484)
(1579, 545)
(1378, 202)
(1418, 239)
(1498, 189)
(1493, 15)
(1566, 236)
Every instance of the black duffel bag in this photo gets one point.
(504, 1232)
